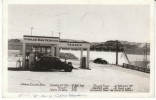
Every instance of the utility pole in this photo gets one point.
(31, 30)
(117, 49)
(52, 33)
(59, 35)
(145, 55)
(146, 52)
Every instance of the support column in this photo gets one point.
(23, 55)
(57, 50)
(52, 51)
(81, 55)
(88, 52)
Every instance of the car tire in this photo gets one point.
(31, 67)
(68, 69)
(45, 69)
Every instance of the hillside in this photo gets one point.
(129, 47)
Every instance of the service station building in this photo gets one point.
(41, 46)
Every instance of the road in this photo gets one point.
(19, 81)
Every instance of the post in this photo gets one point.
(88, 52)
(117, 48)
(52, 50)
(57, 47)
(145, 56)
(31, 30)
(52, 33)
(23, 55)
(59, 36)
(81, 57)
(57, 50)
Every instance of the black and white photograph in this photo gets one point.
(84, 49)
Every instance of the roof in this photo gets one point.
(73, 41)
(61, 40)
(40, 36)
(49, 56)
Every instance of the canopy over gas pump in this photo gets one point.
(36, 46)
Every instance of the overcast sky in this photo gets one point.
(93, 23)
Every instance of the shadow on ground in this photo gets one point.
(51, 70)
(16, 69)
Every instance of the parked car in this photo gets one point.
(100, 61)
(49, 62)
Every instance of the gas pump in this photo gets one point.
(31, 59)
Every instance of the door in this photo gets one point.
(58, 63)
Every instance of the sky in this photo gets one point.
(92, 23)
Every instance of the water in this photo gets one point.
(108, 56)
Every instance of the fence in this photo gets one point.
(133, 67)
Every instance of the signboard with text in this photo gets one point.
(41, 40)
(74, 45)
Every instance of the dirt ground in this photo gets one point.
(105, 75)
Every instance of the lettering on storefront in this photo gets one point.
(74, 44)
(40, 40)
